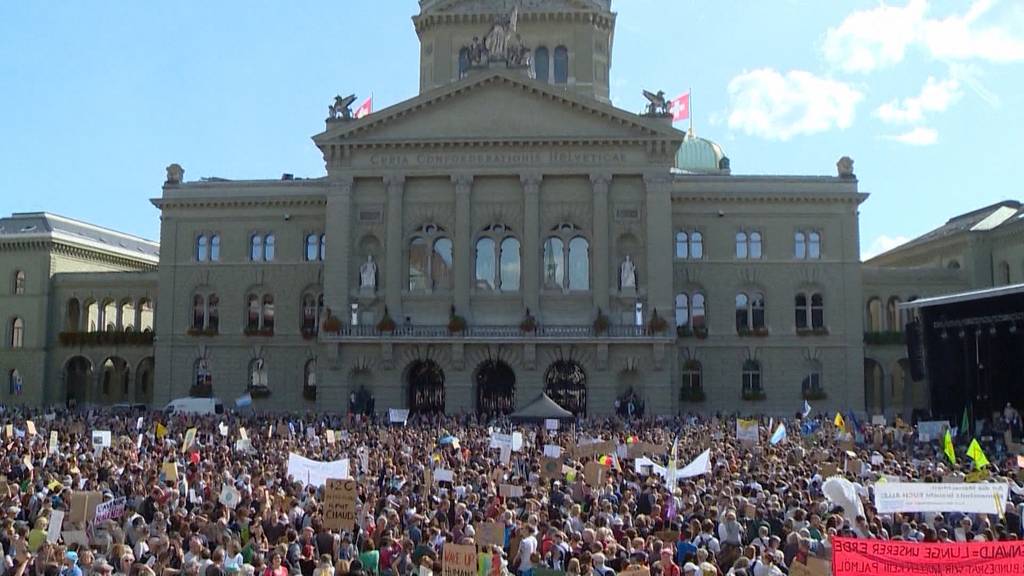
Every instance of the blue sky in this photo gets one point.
(98, 97)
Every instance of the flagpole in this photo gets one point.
(690, 106)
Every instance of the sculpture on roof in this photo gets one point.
(502, 43)
(342, 108)
(845, 167)
(657, 104)
(174, 174)
(501, 32)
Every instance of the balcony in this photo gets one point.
(424, 333)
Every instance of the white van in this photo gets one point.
(194, 406)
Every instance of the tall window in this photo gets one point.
(811, 383)
(566, 259)
(309, 374)
(750, 312)
(741, 245)
(697, 314)
(127, 315)
(748, 245)
(817, 311)
(268, 247)
(814, 245)
(17, 333)
(682, 310)
(689, 245)
(810, 311)
(92, 316)
(312, 309)
(692, 377)
(268, 313)
(430, 259)
(874, 323)
(146, 315)
(696, 245)
(74, 315)
(497, 260)
(800, 246)
(202, 248)
(19, 282)
(14, 383)
(892, 316)
(807, 245)
(259, 314)
(262, 247)
(205, 315)
(215, 248)
(203, 375)
(751, 376)
(755, 245)
(315, 247)
(258, 374)
(561, 65)
(541, 64)
(682, 245)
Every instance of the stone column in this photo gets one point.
(337, 228)
(393, 246)
(531, 278)
(463, 237)
(659, 273)
(600, 183)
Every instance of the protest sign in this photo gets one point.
(593, 473)
(101, 438)
(946, 497)
(551, 424)
(330, 437)
(828, 469)
(550, 468)
(861, 557)
(190, 439)
(79, 537)
(83, 506)
(928, 430)
(552, 450)
(517, 441)
(444, 475)
(398, 415)
(510, 491)
(223, 429)
(878, 420)
(458, 560)
(170, 470)
(30, 427)
(229, 496)
(747, 431)
(243, 434)
(340, 504)
(592, 448)
(53, 441)
(501, 440)
(111, 510)
(56, 523)
(491, 533)
(538, 571)
(314, 472)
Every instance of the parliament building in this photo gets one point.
(506, 232)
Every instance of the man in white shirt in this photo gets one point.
(527, 546)
(706, 538)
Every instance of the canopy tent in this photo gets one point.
(542, 408)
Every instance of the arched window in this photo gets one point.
(74, 317)
(757, 311)
(510, 266)
(742, 312)
(751, 376)
(541, 64)
(682, 245)
(801, 311)
(215, 248)
(309, 374)
(19, 282)
(496, 246)
(692, 378)
(109, 316)
(198, 312)
(750, 312)
(485, 256)
(812, 380)
(697, 315)
(145, 315)
(817, 311)
(312, 247)
(92, 316)
(799, 246)
(127, 314)
(15, 383)
(430, 259)
(252, 322)
(463, 62)
(1004, 273)
(561, 65)
(696, 245)
(17, 333)
(874, 323)
(258, 374)
(203, 375)
(310, 319)
(202, 248)
(682, 310)
(323, 246)
(814, 245)
(741, 245)
(554, 264)
(268, 313)
(566, 259)
(268, 247)
(579, 264)
(212, 313)
(892, 314)
(755, 244)
(256, 248)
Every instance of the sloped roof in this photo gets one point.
(980, 220)
(29, 225)
(542, 408)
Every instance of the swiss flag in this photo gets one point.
(680, 107)
(366, 107)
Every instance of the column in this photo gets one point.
(601, 262)
(531, 242)
(659, 243)
(337, 228)
(463, 238)
(394, 247)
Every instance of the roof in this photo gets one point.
(964, 297)
(542, 408)
(980, 220)
(37, 225)
(700, 155)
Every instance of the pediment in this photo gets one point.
(504, 6)
(498, 107)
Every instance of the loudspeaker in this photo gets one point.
(915, 350)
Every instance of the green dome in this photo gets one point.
(701, 156)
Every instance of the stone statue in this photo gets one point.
(501, 32)
(657, 104)
(845, 167)
(174, 174)
(627, 273)
(341, 109)
(368, 273)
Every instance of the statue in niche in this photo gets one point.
(627, 274)
(368, 274)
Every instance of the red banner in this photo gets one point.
(855, 557)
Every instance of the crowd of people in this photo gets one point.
(756, 510)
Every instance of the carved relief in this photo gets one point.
(417, 215)
(440, 354)
(508, 213)
(577, 213)
(511, 355)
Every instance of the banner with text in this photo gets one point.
(856, 557)
(952, 497)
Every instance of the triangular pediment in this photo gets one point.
(498, 106)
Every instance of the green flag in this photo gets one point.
(965, 423)
(975, 453)
(947, 446)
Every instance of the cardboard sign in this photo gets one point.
(83, 506)
(30, 427)
(111, 510)
(593, 473)
(340, 504)
(854, 557)
(510, 491)
(101, 438)
(490, 533)
(667, 536)
(190, 439)
(929, 430)
(76, 537)
(56, 523)
(170, 470)
(853, 466)
(551, 468)
(814, 567)
(581, 451)
(828, 469)
(458, 560)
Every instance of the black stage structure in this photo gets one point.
(970, 347)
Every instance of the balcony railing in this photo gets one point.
(543, 332)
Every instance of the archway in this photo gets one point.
(77, 375)
(114, 380)
(566, 383)
(424, 380)
(874, 387)
(144, 381)
(495, 388)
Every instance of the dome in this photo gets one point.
(701, 156)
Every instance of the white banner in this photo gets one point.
(444, 475)
(398, 415)
(701, 465)
(931, 430)
(551, 424)
(501, 440)
(552, 450)
(746, 431)
(979, 498)
(314, 472)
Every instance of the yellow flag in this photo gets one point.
(975, 453)
(161, 431)
(947, 447)
(839, 422)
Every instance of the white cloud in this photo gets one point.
(774, 106)
(935, 96)
(882, 243)
(871, 39)
(920, 136)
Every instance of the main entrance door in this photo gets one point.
(425, 382)
(566, 383)
(495, 388)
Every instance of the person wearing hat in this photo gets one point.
(102, 568)
(70, 567)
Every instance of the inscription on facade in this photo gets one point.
(548, 158)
